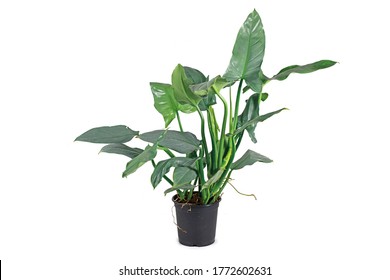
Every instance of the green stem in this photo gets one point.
(204, 142)
(179, 121)
(203, 153)
(180, 194)
(228, 160)
(219, 192)
(165, 177)
(167, 151)
(239, 140)
(213, 135)
(189, 194)
(230, 111)
(237, 106)
(223, 129)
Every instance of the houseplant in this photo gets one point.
(202, 163)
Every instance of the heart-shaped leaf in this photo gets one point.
(164, 101)
(181, 86)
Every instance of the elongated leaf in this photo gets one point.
(182, 142)
(183, 176)
(164, 166)
(181, 86)
(213, 179)
(303, 69)
(121, 149)
(248, 52)
(194, 75)
(108, 135)
(256, 120)
(183, 187)
(164, 101)
(147, 155)
(249, 158)
(250, 112)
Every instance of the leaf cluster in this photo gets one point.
(204, 165)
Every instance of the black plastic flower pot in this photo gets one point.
(196, 224)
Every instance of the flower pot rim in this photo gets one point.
(175, 197)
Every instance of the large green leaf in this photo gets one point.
(303, 69)
(108, 135)
(121, 149)
(183, 176)
(198, 77)
(164, 166)
(181, 86)
(182, 142)
(256, 120)
(147, 155)
(194, 75)
(248, 53)
(164, 101)
(250, 157)
(208, 101)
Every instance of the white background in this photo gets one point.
(67, 66)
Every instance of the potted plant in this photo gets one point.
(198, 166)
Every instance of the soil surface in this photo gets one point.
(196, 199)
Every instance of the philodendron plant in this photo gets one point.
(203, 162)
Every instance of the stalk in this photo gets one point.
(180, 193)
(203, 152)
(237, 105)
(167, 151)
(218, 193)
(213, 135)
(223, 129)
(230, 111)
(228, 160)
(189, 194)
(165, 177)
(204, 142)
(179, 121)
